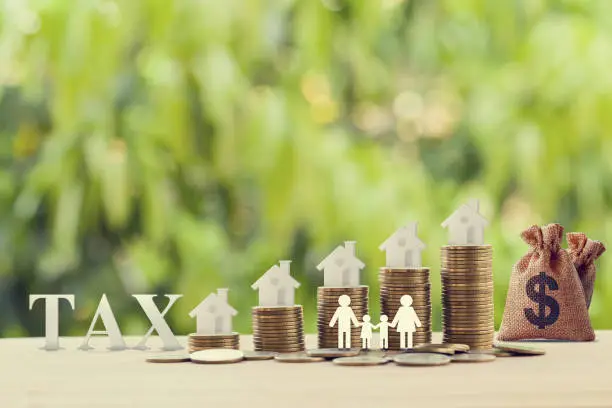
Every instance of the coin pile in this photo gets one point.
(397, 282)
(278, 328)
(327, 303)
(198, 342)
(467, 295)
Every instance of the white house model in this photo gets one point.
(466, 226)
(213, 314)
(276, 286)
(341, 268)
(403, 248)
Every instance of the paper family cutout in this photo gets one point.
(341, 268)
(405, 321)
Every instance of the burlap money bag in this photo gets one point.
(584, 252)
(545, 298)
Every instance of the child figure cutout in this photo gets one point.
(344, 316)
(366, 332)
(406, 321)
(383, 327)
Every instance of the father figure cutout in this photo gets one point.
(344, 315)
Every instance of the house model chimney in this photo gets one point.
(412, 227)
(284, 266)
(475, 204)
(350, 246)
(222, 294)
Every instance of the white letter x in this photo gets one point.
(157, 322)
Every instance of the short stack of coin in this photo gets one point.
(397, 282)
(467, 295)
(198, 342)
(278, 328)
(327, 303)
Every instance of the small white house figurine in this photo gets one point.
(466, 225)
(213, 314)
(341, 268)
(276, 286)
(403, 248)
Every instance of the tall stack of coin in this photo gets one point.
(397, 282)
(467, 295)
(327, 303)
(197, 342)
(278, 328)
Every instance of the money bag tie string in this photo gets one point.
(592, 251)
(576, 242)
(544, 241)
(585, 251)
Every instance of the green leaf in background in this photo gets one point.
(178, 146)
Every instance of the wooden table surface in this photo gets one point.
(569, 375)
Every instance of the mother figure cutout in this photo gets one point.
(406, 321)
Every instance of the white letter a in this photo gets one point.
(105, 312)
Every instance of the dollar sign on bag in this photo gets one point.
(536, 291)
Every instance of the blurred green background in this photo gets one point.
(162, 146)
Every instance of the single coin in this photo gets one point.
(279, 346)
(277, 330)
(215, 336)
(169, 358)
(365, 360)
(333, 352)
(279, 342)
(277, 308)
(277, 350)
(259, 355)
(472, 358)
(216, 343)
(217, 356)
(495, 352)
(521, 350)
(458, 347)
(421, 359)
(433, 348)
(374, 353)
(470, 340)
(299, 357)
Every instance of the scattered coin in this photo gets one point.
(500, 353)
(472, 358)
(459, 348)
(300, 357)
(421, 359)
(365, 360)
(520, 350)
(333, 352)
(433, 348)
(217, 356)
(259, 355)
(169, 358)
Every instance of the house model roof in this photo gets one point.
(341, 254)
(216, 304)
(276, 276)
(467, 213)
(408, 233)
